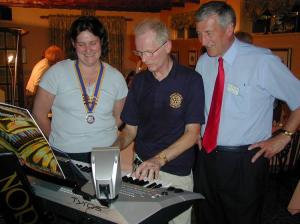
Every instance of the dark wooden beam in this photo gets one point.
(47, 17)
(107, 5)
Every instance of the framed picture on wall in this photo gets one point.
(285, 54)
(192, 58)
(180, 32)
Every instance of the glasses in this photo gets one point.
(148, 53)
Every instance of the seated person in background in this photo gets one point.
(163, 112)
(244, 36)
(85, 94)
(51, 55)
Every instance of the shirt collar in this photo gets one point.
(231, 53)
(172, 73)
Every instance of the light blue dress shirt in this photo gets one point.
(254, 77)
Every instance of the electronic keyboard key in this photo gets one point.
(151, 185)
(158, 186)
(171, 188)
(86, 169)
(146, 185)
(139, 182)
(144, 182)
(178, 190)
(136, 181)
(166, 185)
(130, 180)
(125, 179)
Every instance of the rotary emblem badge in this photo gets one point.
(176, 100)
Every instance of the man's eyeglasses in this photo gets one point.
(148, 53)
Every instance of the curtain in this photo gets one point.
(115, 26)
(59, 26)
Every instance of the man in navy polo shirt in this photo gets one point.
(163, 112)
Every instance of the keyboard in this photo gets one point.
(137, 202)
(130, 185)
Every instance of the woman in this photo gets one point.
(85, 95)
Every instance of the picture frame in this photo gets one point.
(175, 55)
(180, 33)
(285, 54)
(192, 58)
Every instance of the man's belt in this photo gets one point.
(240, 148)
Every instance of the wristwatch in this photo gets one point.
(163, 157)
(287, 133)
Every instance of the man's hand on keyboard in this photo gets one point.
(148, 169)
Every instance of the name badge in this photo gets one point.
(233, 89)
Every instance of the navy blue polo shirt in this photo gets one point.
(161, 109)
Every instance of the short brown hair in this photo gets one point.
(54, 54)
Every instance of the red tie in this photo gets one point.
(211, 131)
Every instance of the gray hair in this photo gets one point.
(160, 28)
(224, 11)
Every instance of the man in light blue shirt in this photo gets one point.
(232, 176)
